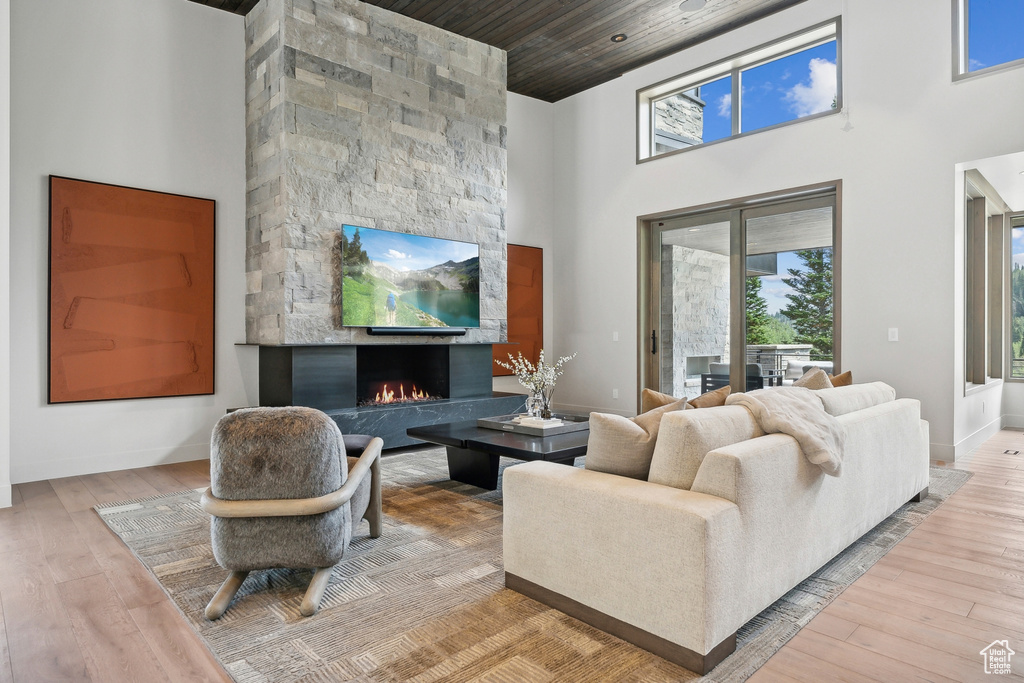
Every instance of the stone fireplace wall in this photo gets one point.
(357, 115)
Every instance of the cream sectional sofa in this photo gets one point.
(729, 520)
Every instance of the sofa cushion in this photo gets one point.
(650, 399)
(622, 445)
(686, 437)
(814, 378)
(842, 400)
(711, 398)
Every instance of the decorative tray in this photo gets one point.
(532, 426)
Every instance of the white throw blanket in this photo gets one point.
(798, 412)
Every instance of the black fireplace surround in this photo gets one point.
(339, 379)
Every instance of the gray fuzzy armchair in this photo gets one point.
(283, 493)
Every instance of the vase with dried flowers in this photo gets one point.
(539, 379)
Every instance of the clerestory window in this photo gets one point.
(791, 79)
(986, 36)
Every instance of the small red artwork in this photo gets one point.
(131, 293)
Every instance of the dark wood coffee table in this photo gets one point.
(474, 452)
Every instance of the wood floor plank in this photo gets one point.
(1007, 585)
(178, 650)
(187, 474)
(947, 621)
(40, 639)
(899, 625)
(827, 624)
(6, 675)
(810, 669)
(134, 584)
(929, 598)
(67, 555)
(919, 656)
(103, 488)
(73, 493)
(113, 647)
(853, 658)
(998, 618)
(1001, 568)
(161, 479)
(961, 591)
(929, 540)
(133, 485)
(770, 673)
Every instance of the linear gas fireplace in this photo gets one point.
(401, 374)
(383, 389)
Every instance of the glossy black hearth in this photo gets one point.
(368, 388)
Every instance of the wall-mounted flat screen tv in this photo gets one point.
(393, 279)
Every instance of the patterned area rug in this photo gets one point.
(426, 601)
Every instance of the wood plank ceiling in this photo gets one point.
(557, 48)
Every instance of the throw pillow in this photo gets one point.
(843, 379)
(711, 399)
(622, 445)
(815, 378)
(650, 399)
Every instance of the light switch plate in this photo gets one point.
(894, 334)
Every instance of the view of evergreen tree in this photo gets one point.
(810, 306)
(758, 320)
(1017, 320)
(780, 330)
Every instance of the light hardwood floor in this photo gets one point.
(76, 605)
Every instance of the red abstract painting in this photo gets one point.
(131, 293)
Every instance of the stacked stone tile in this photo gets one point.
(357, 115)
(694, 312)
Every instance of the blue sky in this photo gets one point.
(995, 32)
(773, 289)
(1018, 247)
(781, 90)
(402, 251)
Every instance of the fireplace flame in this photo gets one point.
(385, 395)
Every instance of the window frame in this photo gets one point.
(733, 66)
(961, 53)
(986, 300)
(737, 211)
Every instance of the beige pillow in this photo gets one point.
(622, 445)
(711, 399)
(844, 379)
(650, 399)
(815, 378)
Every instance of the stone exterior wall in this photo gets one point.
(356, 115)
(694, 313)
(681, 115)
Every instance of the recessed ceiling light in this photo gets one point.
(694, 229)
(692, 5)
(619, 38)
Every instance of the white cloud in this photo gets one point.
(395, 254)
(725, 105)
(819, 93)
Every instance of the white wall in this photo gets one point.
(5, 252)
(531, 202)
(149, 95)
(904, 128)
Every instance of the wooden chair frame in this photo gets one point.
(369, 462)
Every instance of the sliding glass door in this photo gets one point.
(744, 297)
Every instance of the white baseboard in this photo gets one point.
(1013, 421)
(962, 449)
(5, 496)
(941, 452)
(107, 462)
